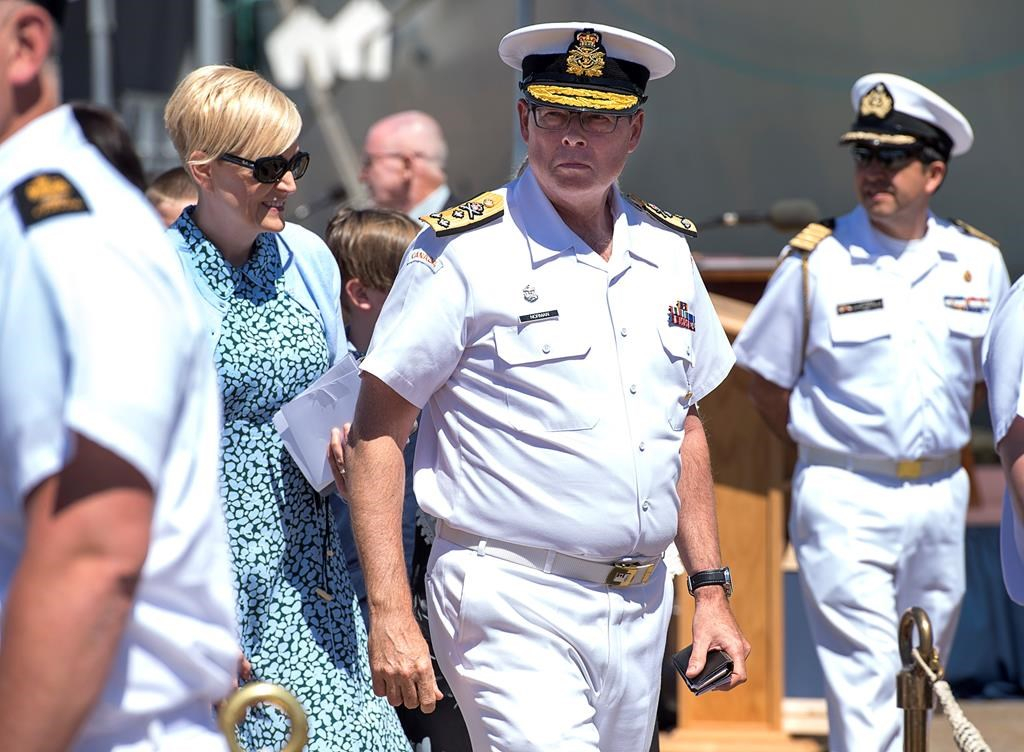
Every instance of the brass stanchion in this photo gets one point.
(234, 708)
(913, 687)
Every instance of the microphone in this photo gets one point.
(785, 215)
(334, 195)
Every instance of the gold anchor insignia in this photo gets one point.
(877, 102)
(585, 58)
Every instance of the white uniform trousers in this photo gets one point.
(869, 548)
(540, 662)
(182, 730)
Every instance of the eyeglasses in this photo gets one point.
(556, 119)
(891, 158)
(272, 169)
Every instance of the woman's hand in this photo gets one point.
(336, 457)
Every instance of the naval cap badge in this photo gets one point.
(876, 101)
(586, 56)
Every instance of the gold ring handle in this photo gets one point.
(233, 710)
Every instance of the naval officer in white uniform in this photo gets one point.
(558, 338)
(115, 585)
(1004, 375)
(866, 350)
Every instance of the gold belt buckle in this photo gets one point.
(908, 469)
(624, 574)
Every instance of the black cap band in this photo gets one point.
(900, 123)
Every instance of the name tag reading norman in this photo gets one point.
(526, 318)
(862, 305)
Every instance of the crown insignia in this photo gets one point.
(586, 56)
(877, 101)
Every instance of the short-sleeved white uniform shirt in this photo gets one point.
(1004, 374)
(99, 338)
(894, 348)
(554, 384)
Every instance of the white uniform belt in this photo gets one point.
(618, 574)
(899, 469)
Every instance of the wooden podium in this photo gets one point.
(750, 467)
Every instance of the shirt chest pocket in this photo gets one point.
(967, 317)
(860, 327)
(546, 376)
(679, 346)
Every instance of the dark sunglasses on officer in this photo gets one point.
(893, 158)
(272, 169)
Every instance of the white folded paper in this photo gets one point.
(305, 423)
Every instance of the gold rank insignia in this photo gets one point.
(809, 237)
(473, 213)
(46, 195)
(876, 101)
(676, 222)
(974, 231)
(586, 56)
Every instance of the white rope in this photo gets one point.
(966, 736)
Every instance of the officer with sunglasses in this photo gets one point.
(865, 350)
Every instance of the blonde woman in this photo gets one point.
(271, 294)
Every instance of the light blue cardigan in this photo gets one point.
(310, 276)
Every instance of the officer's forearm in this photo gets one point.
(772, 402)
(697, 533)
(375, 475)
(66, 611)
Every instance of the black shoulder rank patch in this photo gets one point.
(812, 235)
(676, 222)
(46, 195)
(473, 213)
(974, 231)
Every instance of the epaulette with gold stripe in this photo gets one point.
(473, 213)
(811, 236)
(974, 231)
(676, 222)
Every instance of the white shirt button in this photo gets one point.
(622, 331)
(646, 505)
(632, 388)
(546, 349)
(643, 446)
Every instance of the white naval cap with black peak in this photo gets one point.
(896, 111)
(579, 65)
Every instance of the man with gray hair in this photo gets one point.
(404, 159)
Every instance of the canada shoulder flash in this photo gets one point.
(676, 222)
(477, 211)
(45, 195)
(974, 231)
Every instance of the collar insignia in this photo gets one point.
(877, 101)
(586, 56)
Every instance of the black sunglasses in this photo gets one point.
(272, 169)
(891, 158)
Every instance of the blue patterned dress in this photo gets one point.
(299, 621)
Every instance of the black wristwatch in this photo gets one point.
(707, 577)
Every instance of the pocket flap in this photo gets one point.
(540, 342)
(677, 341)
(860, 326)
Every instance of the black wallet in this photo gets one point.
(717, 670)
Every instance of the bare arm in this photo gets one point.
(714, 625)
(87, 534)
(772, 401)
(1011, 454)
(375, 477)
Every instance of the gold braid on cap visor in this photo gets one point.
(900, 139)
(569, 96)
